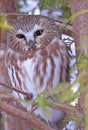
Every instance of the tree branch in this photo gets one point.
(32, 121)
(28, 95)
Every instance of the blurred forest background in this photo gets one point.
(72, 16)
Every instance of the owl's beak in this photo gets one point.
(31, 44)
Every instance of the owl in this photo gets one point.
(36, 59)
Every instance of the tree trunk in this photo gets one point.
(7, 6)
(80, 25)
(80, 28)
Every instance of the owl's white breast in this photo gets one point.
(31, 76)
(28, 68)
(39, 73)
(26, 78)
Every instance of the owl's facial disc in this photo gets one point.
(30, 39)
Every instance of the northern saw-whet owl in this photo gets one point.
(36, 59)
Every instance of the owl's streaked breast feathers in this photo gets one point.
(37, 59)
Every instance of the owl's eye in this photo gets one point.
(38, 33)
(20, 36)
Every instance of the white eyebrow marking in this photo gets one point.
(30, 34)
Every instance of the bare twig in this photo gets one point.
(58, 92)
(6, 99)
(60, 106)
(65, 27)
(32, 121)
(28, 95)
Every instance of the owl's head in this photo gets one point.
(31, 33)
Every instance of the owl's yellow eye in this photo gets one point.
(20, 36)
(38, 33)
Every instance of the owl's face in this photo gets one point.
(31, 33)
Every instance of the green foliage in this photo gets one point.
(42, 103)
(60, 94)
(63, 93)
(57, 5)
(2, 119)
(57, 89)
(86, 122)
(70, 20)
(74, 16)
(49, 4)
(84, 61)
(19, 6)
(41, 100)
(83, 80)
(3, 23)
(66, 13)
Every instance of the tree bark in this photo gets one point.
(80, 29)
(80, 25)
(7, 6)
